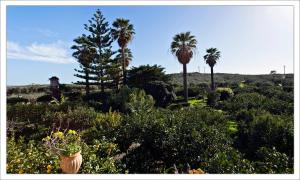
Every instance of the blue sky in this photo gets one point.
(252, 39)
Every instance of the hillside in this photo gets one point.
(197, 78)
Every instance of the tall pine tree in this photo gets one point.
(100, 38)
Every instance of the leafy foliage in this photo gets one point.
(15, 100)
(144, 74)
(190, 135)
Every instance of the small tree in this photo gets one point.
(139, 76)
(211, 58)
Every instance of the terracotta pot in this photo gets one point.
(71, 164)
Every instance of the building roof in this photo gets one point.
(53, 78)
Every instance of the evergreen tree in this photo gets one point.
(100, 38)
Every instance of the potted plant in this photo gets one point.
(66, 145)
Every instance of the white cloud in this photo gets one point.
(56, 52)
(47, 32)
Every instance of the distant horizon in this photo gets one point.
(252, 39)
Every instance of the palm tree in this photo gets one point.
(182, 47)
(85, 56)
(123, 32)
(211, 58)
(127, 55)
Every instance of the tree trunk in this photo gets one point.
(87, 84)
(123, 66)
(185, 84)
(101, 81)
(212, 78)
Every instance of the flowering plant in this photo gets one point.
(64, 143)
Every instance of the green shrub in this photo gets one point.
(29, 158)
(162, 92)
(262, 129)
(140, 102)
(197, 102)
(174, 106)
(78, 118)
(27, 120)
(225, 93)
(273, 162)
(45, 98)
(212, 98)
(119, 100)
(105, 125)
(100, 158)
(139, 76)
(244, 101)
(230, 162)
(15, 100)
(73, 96)
(96, 96)
(190, 135)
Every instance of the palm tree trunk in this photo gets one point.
(212, 78)
(185, 84)
(123, 66)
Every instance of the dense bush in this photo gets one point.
(212, 98)
(273, 162)
(193, 91)
(230, 162)
(225, 93)
(119, 100)
(104, 125)
(261, 129)
(100, 158)
(162, 92)
(27, 120)
(96, 96)
(257, 101)
(140, 102)
(73, 96)
(244, 101)
(45, 98)
(33, 121)
(15, 100)
(29, 158)
(78, 118)
(190, 135)
(140, 76)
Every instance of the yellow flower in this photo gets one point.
(46, 138)
(49, 167)
(59, 135)
(49, 171)
(72, 132)
(21, 171)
